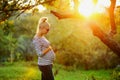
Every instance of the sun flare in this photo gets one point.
(41, 8)
(88, 7)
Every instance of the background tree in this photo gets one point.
(106, 38)
(10, 8)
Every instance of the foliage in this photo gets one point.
(8, 41)
(116, 73)
(13, 43)
(76, 46)
(10, 8)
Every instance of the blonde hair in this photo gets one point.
(42, 23)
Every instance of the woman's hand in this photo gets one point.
(50, 47)
(47, 49)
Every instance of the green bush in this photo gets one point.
(116, 73)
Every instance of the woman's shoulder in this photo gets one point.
(38, 39)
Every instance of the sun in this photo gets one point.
(88, 7)
(41, 8)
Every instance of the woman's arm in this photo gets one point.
(38, 46)
(46, 50)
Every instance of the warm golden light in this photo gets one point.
(31, 73)
(88, 8)
(41, 8)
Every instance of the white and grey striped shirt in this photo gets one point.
(40, 44)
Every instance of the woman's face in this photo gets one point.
(45, 30)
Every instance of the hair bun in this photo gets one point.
(44, 19)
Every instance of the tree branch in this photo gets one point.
(112, 18)
(7, 10)
(66, 15)
(105, 38)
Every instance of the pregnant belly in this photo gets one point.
(50, 55)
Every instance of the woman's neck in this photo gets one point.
(39, 35)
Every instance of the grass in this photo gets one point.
(30, 71)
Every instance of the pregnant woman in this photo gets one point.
(43, 49)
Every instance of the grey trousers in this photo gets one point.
(46, 72)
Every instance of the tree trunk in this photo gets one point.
(11, 57)
(106, 39)
(112, 18)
